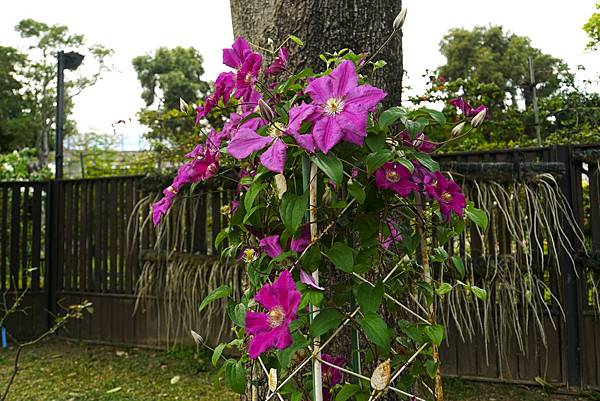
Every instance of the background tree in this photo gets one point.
(12, 103)
(165, 77)
(38, 77)
(592, 28)
(489, 66)
(327, 25)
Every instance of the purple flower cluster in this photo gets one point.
(397, 178)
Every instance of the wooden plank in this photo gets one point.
(594, 188)
(76, 236)
(4, 238)
(132, 237)
(36, 237)
(91, 237)
(25, 239)
(66, 245)
(15, 231)
(122, 234)
(98, 251)
(200, 224)
(83, 236)
(216, 219)
(112, 235)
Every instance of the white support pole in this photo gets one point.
(317, 373)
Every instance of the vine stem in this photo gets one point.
(314, 235)
(438, 389)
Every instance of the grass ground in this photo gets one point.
(63, 371)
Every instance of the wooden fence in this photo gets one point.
(69, 240)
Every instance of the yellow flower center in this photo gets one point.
(334, 106)
(392, 176)
(446, 196)
(171, 189)
(250, 255)
(248, 77)
(275, 130)
(276, 317)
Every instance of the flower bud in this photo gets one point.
(183, 106)
(478, 119)
(457, 130)
(265, 111)
(197, 338)
(280, 185)
(399, 20)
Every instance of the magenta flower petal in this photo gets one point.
(256, 322)
(320, 89)
(279, 337)
(274, 157)
(301, 243)
(327, 133)
(309, 280)
(354, 125)
(235, 56)
(343, 79)
(246, 142)
(366, 96)
(281, 299)
(270, 245)
(395, 177)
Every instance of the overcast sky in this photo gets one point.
(132, 28)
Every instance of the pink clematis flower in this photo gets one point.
(279, 64)
(421, 143)
(238, 53)
(340, 107)
(247, 75)
(247, 141)
(448, 193)
(272, 329)
(394, 237)
(395, 177)
(224, 86)
(331, 375)
(308, 279)
(466, 108)
(299, 244)
(271, 246)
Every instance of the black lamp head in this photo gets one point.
(72, 60)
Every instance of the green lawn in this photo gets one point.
(65, 371)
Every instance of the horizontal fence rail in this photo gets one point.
(72, 240)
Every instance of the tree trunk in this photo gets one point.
(326, 26)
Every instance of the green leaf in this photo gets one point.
(437, 116)
(237, 313)
(439, 254)
(251, 195)
(477, 216)
(221, 292)
(217, 353)
(431, 368)
(311, 257)
(459, 265)
(391, 115)
(292, 210)
(377, 159)
(376, 140)
(369, 297)
(347, 391)
(416, 127)
(479, 292)
(406, 163)
(235, 376)
(357, 191)
(341, 256)
(435, 333)
(326, 320)
(296, 40)
(443, 289)
(221, 236)
(376, 330)
(330, 165)
(427, 161)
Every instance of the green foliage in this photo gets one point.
(36, 72)
(490, 66)
(592, 28)
(20, 166)
(175, 74)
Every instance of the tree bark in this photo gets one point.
(326, 26)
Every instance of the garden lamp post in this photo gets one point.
(68, 61)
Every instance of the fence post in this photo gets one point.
(52, 244)
(569, 281)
